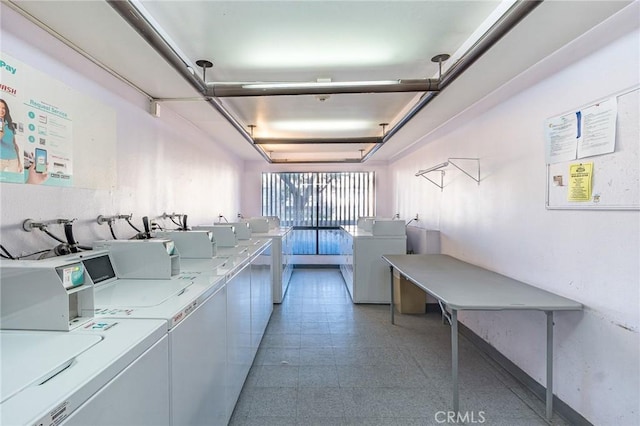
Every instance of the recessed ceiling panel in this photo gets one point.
(304, 41)
(284, 40)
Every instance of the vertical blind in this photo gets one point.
(318, 199)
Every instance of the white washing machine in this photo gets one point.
(73, 369)
(193, 306)
(247, 265)
(113, 372)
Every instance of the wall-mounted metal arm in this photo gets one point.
(438, 184)
(450, 161)
(432, 169)
(477, 161)
(110, 219)
(171, 215)
(29, 224)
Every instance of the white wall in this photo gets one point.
(163, 164)
(590, 256)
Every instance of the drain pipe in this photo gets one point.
(130, 14)
(502, 26)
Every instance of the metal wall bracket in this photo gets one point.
(459, 163)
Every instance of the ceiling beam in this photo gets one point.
(224, 90)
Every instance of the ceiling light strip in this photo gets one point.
(284, 161)
(319, 141)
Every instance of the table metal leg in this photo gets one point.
(549, 364)
(454, 358)
(392, 304)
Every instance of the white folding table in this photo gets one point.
(463, 286)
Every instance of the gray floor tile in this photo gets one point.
(315, 340)
(272, 402)
(277, 376)
(277, 356)
(270, 421)
(320, 421)
(325, 361)
(377, 376)
(281, 341)
(320, 402)
(391, 403)
(318, 376)
(320, 355)
(315, 327)
(385, 421)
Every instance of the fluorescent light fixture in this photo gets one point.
(320, 125)
(318, 84)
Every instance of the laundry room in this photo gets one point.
(333, 213)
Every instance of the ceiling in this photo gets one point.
(310, 41)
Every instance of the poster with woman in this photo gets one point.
(36, 142)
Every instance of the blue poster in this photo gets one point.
(36, 137)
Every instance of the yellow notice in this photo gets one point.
(580, 178)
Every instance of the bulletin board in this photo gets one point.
(615, 180)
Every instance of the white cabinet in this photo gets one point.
(249, 307)
(365, 273)
(282, 252)
(261, 296)
(239, 357)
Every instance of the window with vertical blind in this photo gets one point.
(316, 204)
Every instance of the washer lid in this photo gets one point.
(31, 358)
(133, 293)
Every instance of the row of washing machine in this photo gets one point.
(132, 332)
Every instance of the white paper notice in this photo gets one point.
(598, 129)
(561, 134)
(584, 133)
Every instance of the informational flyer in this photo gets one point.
(598, 129)
(37, 132)
(580, 182)
(561, 134)
(585, 133)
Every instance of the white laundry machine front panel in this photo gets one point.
(52, 398)
(239, 352)
(198, 364)
(138, 396)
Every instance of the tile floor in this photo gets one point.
(325, 361)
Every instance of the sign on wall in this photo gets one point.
(607, 132)
(37, 126)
